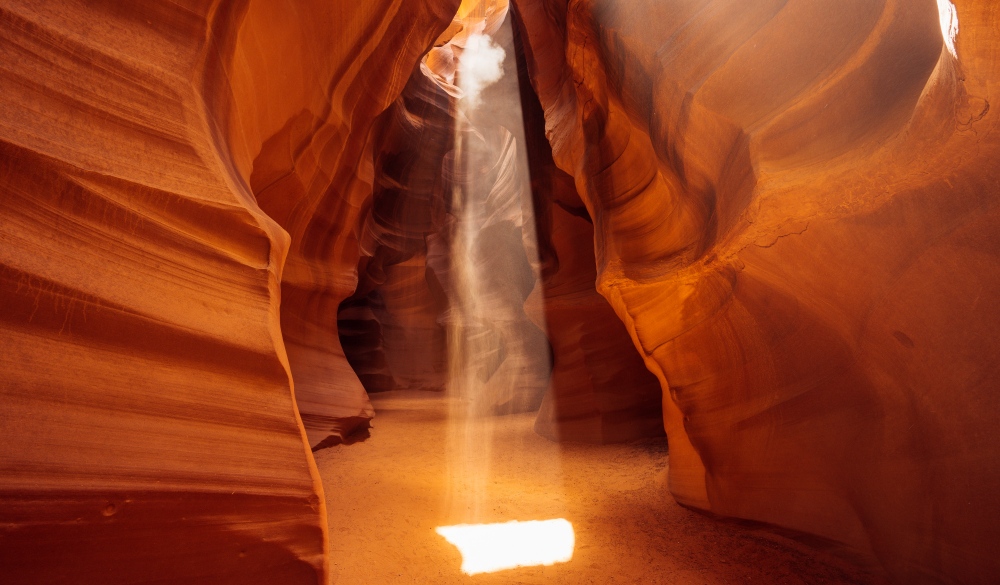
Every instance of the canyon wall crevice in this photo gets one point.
(146, 398)
(394, 328)
(393, 325)
(180, 182)
(782, 192)
(600, 390)
(303, 106)
(790, 206)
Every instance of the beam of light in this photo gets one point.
(480, 66)
(499, 361)
(488, 548)
(949, 24)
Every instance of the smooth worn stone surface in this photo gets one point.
(159, 164)
(794, 209)
(769, 227)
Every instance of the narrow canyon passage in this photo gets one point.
(532, 242)
(403, 484)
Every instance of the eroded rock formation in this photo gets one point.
(174, 175)
(795, 215)
(789, 204)
(392, 327)
(600, 390)
(498, 354)
(308, 81)
(395, 336)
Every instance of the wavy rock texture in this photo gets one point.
(151, 154)
(447, 264)
(499, 356)
(795, 216)
(793, 206)
(392, 326)
(305, 101)
(600, 390)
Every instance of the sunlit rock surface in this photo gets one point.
(308, 81)
(159, 163)
(600, 390)
(795, 211)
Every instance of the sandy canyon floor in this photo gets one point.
(425, 466)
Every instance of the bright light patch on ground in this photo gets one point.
(487, 548)
(949, 24)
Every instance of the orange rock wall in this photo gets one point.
(307, 82)
(392, 326)
(148, 424)
(393, 329)
(795, 215)
(600, 390)
(160, 162)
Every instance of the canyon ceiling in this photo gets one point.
(771, 227)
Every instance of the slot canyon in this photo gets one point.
(693, 292)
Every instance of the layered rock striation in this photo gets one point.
(600, 390)
(410, 291)
(794, 213)
(307, 85)
(392, 327)
(789, 205)
(179, 182)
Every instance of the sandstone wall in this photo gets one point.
(793, 206)
(392, 326)
(600, 390)
(160, 161)
(307, 82)
(148, 424)
(795, 215)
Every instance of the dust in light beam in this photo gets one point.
(487, 548)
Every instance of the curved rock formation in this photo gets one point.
(399, 340)
(303, 105)
(448, 239)
(152, 155)
(600, 391)
(793, 212)
(795, 217)
(149, 427)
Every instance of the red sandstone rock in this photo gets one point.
(794, 214)
(399, 340)
(304, 103)
(152, 154)
(600, 389)
(794, 207)
(392, 327)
